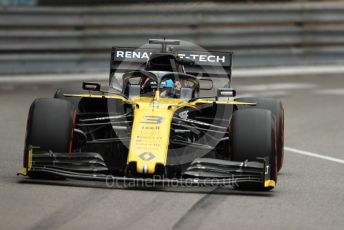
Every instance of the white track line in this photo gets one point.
(314, 155)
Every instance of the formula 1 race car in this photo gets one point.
(153, 123)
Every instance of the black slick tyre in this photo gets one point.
(276, 108)
(253, 136)
(50, 126)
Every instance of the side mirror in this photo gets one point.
(226, 92)
(206, 84)
(91, 86)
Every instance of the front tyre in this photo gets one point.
(50, 126)
(254, 136)
(276, 108)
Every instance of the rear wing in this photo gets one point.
(206, 64)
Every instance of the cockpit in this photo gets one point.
(169, 84)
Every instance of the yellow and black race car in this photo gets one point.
(155, 123)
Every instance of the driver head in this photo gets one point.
(167, 88)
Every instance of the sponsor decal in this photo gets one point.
(184, 114)
(147, 156)
(132, 54)
(152, 120)
(267, 170)
(198, 56)
(204, 58)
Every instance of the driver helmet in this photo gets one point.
(167, 88)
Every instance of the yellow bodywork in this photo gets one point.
(269, 183)
(151, 132)
(151, 126)
(90, 95)
(23, 171)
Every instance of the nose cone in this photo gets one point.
(150, 135)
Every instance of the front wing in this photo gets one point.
(201, 172)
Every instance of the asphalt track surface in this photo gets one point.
(309, 194)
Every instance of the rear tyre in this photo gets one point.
(50, 126)
(253, 136)
(276, 108)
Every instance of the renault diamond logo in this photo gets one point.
(147, 156)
